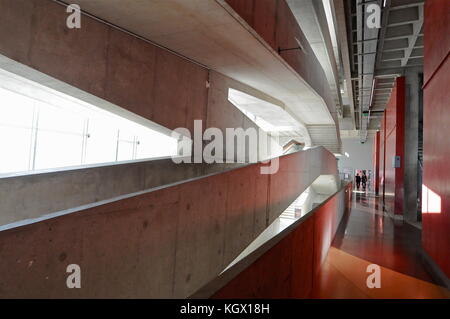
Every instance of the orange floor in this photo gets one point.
(369, 236)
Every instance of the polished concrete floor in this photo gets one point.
(368, 236)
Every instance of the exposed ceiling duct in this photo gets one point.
(367, 43)
(342, 34)
(379, 55)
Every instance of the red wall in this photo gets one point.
(289, 269)
(277, 273)
(436, 130)
(393, 133)
(261, 15)
(376, 163)
(382, 155)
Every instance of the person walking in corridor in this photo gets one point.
(364, 180)
(358, 181)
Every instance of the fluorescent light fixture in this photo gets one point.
(372, 93)
(331, 28)
(384, 3)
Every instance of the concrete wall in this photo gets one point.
(123, 70)
(275, 23)
(411, 163)
(105, 62)
(222, 114)
(117, 67)
(360, 155)
(164, 243)
(286, 266)
(28, 196)
(436, 132)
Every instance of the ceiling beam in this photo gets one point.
(417, 26)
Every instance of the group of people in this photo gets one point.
(361, 180)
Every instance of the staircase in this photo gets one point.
(289, 213)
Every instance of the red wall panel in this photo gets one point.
(302, 260)
(436, 132)
(382, 154)
(260, 15)
(265, 20)
(288, 269)
(394, 145)
(376, 163)
(437, 36)
(389, 174)
(323, 232)
(271, 276)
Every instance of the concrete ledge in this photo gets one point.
(147, 245)
(36, 194)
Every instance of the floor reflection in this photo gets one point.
(367, 235)
(370, 234)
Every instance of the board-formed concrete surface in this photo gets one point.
(163, 243)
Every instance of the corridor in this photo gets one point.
(369, 236)
(208, 149)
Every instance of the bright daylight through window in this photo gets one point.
(43, 129)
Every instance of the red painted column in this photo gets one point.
(400, 146)
(394, 146)
(376, 163)
(382, 154)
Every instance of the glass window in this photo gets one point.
(101, 144)
(15, 109)
(15, 149)
(155, 144)
(16, 121)
(53, 130)
(54, 119)
(125, 146)
(54, 149)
